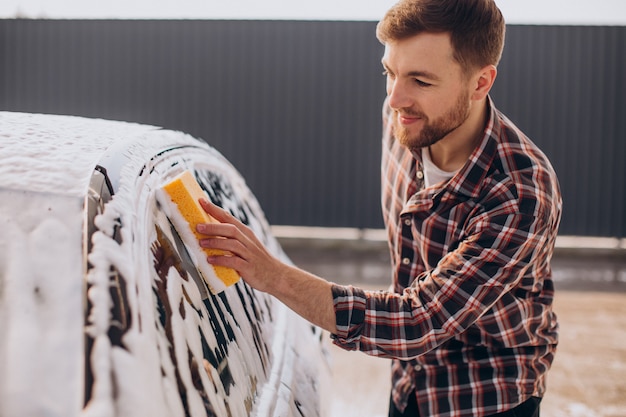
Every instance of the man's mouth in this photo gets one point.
(408, 119)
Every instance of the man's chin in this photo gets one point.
(407, 138)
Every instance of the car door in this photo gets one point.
(175, 348)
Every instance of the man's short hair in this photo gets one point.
(476, 27)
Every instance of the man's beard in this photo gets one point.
(432, 131)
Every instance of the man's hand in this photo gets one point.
(306, 294)
(245, 253)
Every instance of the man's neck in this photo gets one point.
(452, 152)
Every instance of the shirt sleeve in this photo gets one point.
(349, 305)
(480, 276)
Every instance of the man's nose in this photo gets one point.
(397, 94)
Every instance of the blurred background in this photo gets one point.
(291, 93)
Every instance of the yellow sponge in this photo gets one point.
(184, 191)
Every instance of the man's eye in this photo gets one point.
(387, 73)
(422, 83)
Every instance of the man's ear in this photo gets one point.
(483, 81)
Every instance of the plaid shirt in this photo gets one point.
(469, 320)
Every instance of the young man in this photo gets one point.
(471, 208)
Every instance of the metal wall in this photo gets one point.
(295, 105)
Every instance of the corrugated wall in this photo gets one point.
(296, 105)
(564, 86)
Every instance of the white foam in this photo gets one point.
(40, 296)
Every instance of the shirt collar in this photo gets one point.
(467, 181)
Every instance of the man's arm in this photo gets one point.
(306, 294)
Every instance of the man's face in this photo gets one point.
(427, 90)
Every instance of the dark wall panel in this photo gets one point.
(564, 86)
(296, 105)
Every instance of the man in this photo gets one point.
(471, 208)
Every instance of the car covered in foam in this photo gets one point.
(102, 309)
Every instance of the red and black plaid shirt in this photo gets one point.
(469, 322)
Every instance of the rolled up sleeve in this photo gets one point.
(350, 305)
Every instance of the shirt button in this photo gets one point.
(418, 367)
(406, 261)
(407, 222)
(419, 175)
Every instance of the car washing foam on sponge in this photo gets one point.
(185, 213)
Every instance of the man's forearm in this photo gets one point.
(308, 295)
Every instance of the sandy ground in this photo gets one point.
(588, 377)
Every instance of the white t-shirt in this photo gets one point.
(432, 173)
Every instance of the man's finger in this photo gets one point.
(216, 212)
(224, 216)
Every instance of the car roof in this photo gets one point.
(38, 151)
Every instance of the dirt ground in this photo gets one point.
(588, 378)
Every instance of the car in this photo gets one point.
(102, 309)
